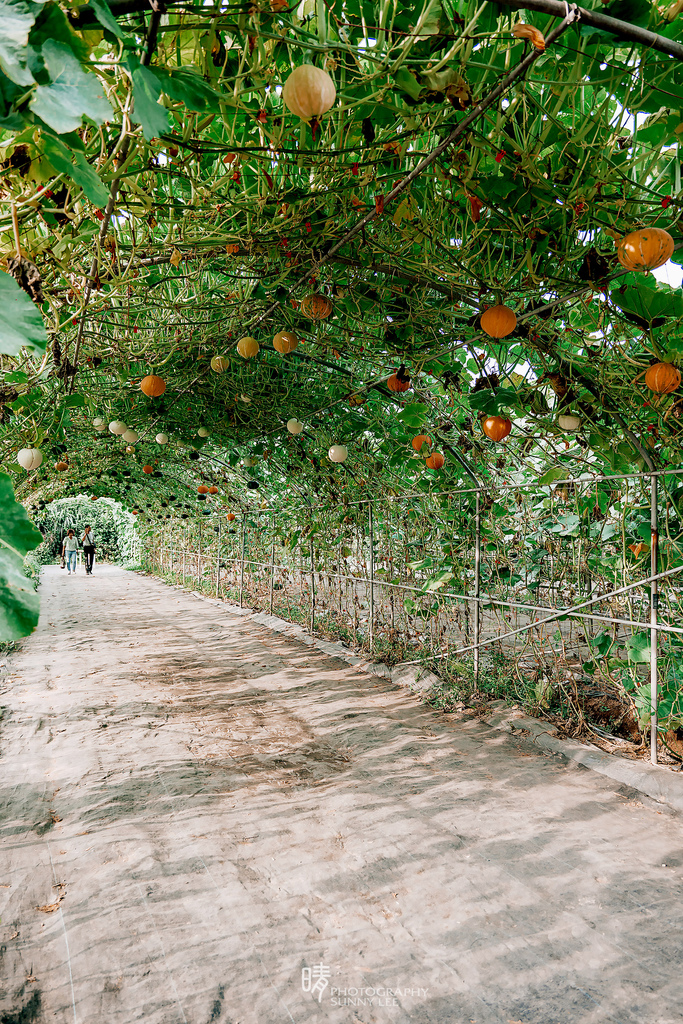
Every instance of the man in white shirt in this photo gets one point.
(88, 542)
(71, 551)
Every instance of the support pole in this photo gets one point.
(312, 589)
(272, 563)
(218, 561)
(244, 527)
(654, 605)
(184, 550)
(477, 583)
(199, 560)
(372, 577)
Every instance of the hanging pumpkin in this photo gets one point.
(219, 364)
(663, 378)
(152, 386)
(568, 423)
(99, 423)
(148, 469)
(248, 347)
(285, 342)
(61, 466)
(29, 458)
(230, 517)
(435, 461)
(249, 461)
(213, 490)
(316, 306)
(338, 453)
(202, 432)
(118, 427)
(161, 439)
(202, 489)
(309, 92)
(294, 426)
(399, 381)
(496, 427)
(418, 441)
(130, 436)
(498, 321)
(645, 249)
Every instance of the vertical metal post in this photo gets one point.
(312, 589)
(199, 560)
(372, 578)
(170, 555)
(244, 528)
(477, 580)
(218, 561)
(184, 550)
(272, 564)
(654, 605)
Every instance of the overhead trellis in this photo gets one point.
(161, 201)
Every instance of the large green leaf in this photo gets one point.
(21, 322)
(186, 86)
(68, 161)
(102, 12)
(72, 93)
(19, 604)
(146, 108)
(16, 18)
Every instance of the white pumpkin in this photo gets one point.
(249, 461)
(202, 432)
(99, 424)
(29, 458)
(338, 453)
(309, 92)
(294, 426)
(568, 423)
(219, 364)
(130, 436)
(118, 427)
(161, 439)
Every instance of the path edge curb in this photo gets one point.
(656, 783)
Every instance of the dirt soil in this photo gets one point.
(204, 821)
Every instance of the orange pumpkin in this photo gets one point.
(202, 489)
(645, 249)
(496, 427)
(663, 378)
(435, 460)
(418, 441)
(61, 465)
(498, 321)
(399, 381)
(230, 517)
(147, 469)
(285, 342)
(213, 490)
(316, 307)
(152, 386)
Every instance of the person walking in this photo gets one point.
(71, 551)
(88, 542)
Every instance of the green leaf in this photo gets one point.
(186, 86)
(21, 322)
(71, 95)
(638, 648)
(146, 108)
(19, 604)
(557, 473)
(106, 19)
(17, 19)
(66, 161)
(408, 83)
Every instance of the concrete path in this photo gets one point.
(203, 821)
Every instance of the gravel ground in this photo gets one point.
(204, 821)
